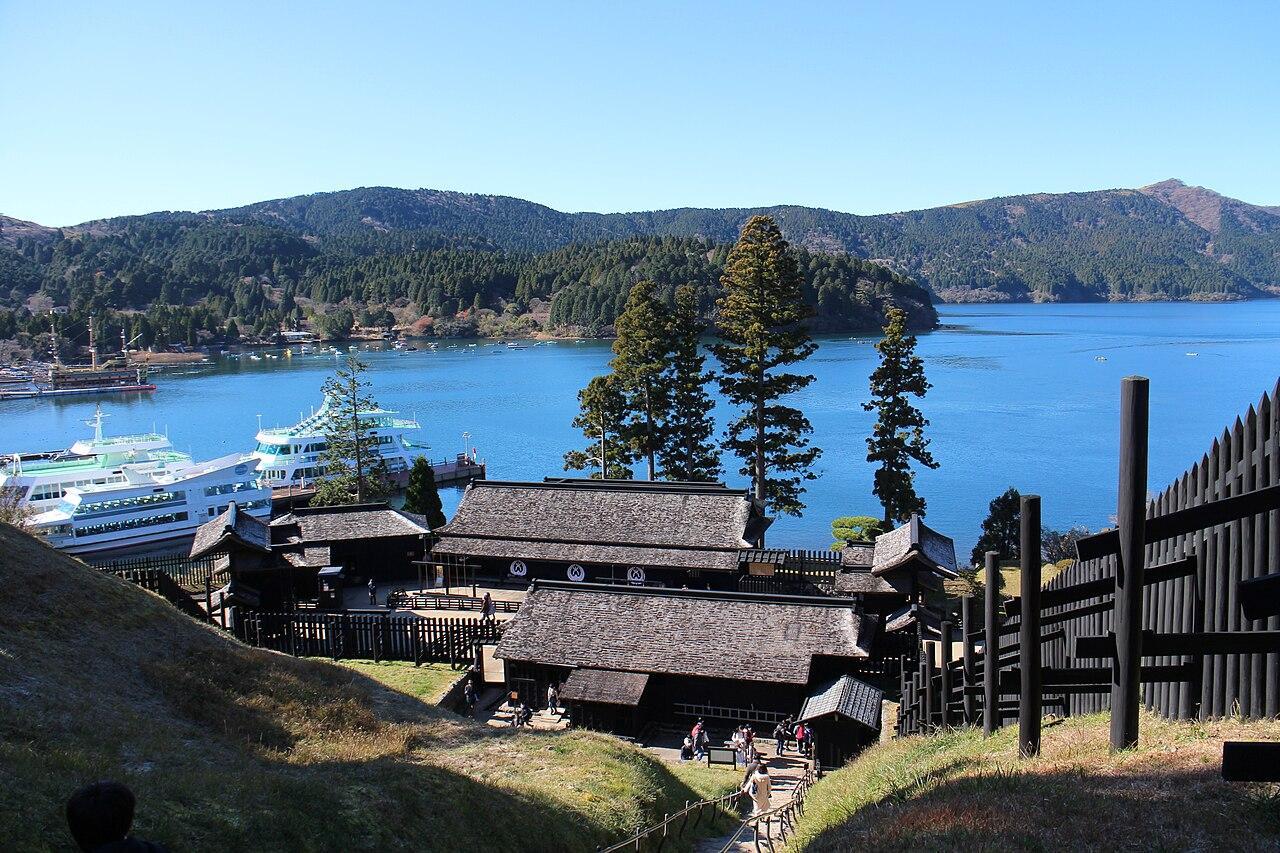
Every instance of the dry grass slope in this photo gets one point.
(957, 791)
(230, 747)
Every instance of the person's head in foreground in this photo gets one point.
(100, 813)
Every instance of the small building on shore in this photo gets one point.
(367, 540)
(601, 531)
(625, 658)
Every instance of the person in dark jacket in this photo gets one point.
(373, 592)
(100, 816)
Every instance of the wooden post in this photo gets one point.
(944, 647)
(991, 647)
(930, 695)
(966, 681)
(1029, 702)
(1130, 563)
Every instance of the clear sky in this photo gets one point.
(111, 108)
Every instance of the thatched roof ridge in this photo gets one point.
(353, 521)
(740, 636)
(232, 528)
(687, 525)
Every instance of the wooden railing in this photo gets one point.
(777, 822)
(186, 573)
(369, 636)
(445, 601)
(674, 826)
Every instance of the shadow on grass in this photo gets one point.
(1066, 810)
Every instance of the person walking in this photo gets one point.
(802, 739)
(487, 608)
(373, 591)
(759, 788)
(469, 697)
(700, 740)
(781, 734)
(553, 699)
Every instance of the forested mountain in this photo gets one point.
(1166, 241)
(453, 263)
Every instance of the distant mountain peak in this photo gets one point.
(1201, 205)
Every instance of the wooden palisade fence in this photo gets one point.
(1177, 609)
(369, 636)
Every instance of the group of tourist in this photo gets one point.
(788, 730)
(696, 743)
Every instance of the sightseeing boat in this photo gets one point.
(289, 458)
(129, 493)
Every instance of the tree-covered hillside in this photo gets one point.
(196, 279)
(1111, 244)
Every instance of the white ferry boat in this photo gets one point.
(289, 457)
(129, 493)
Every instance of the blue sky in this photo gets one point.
(130, 107)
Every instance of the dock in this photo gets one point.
(448, 472)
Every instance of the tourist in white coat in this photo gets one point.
(759, 787)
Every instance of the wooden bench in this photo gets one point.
(722, 755)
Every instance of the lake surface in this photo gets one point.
(1019, 399)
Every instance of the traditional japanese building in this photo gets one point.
(627, 657)
(906, 566)
(604, 531)
(366, 540)
(246, 572)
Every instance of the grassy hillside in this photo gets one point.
(957, 791)
(233, 748)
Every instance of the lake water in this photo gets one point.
(1019, 399)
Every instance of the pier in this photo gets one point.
(448, 472)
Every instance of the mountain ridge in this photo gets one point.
(1167, 240)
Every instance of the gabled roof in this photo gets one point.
(865, 583)
(914, 542)
(234, 528)
(681, 525)
(306, 525)
(606, 686)
(848, 697)
(732, 635)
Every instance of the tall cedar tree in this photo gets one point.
(1001, 531)
(898, 436)
(354, 471)
(689, 450)
(422, 497)
(761, 327)
(602, 417)
(641, 352)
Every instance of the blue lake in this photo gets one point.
(1019, 399)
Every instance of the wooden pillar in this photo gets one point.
(966, 681)
(1029, 702)
(991, 647)
(1131, 519)
(944, 702)
(930, 694)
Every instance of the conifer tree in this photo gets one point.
(898, 436)
(689, 449)
(761, 327)
(354, 471)
(422, 497)
(602, 417)
(1001, 529)
(641, 353)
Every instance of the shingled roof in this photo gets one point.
(605, 686)
(233, 528)
(680, 525)
(740, 636)
(335, 523)
(914, 542)
(847, 697)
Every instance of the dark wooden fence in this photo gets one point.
(446, 601)
(158, 581)
(370, 636)
(188, 574)
(1190, 630)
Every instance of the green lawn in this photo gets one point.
(428, 682)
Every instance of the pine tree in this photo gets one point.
(689, 449)
(1002, 528)
(898, 436)
(602, 417)
(422, 497)
(641, 353)
(761, 327)
(354, 471)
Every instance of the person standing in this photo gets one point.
(781, 735)
(553, 699)
(469, 697)
(759, 788)
(487, 608)
(373, 591)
